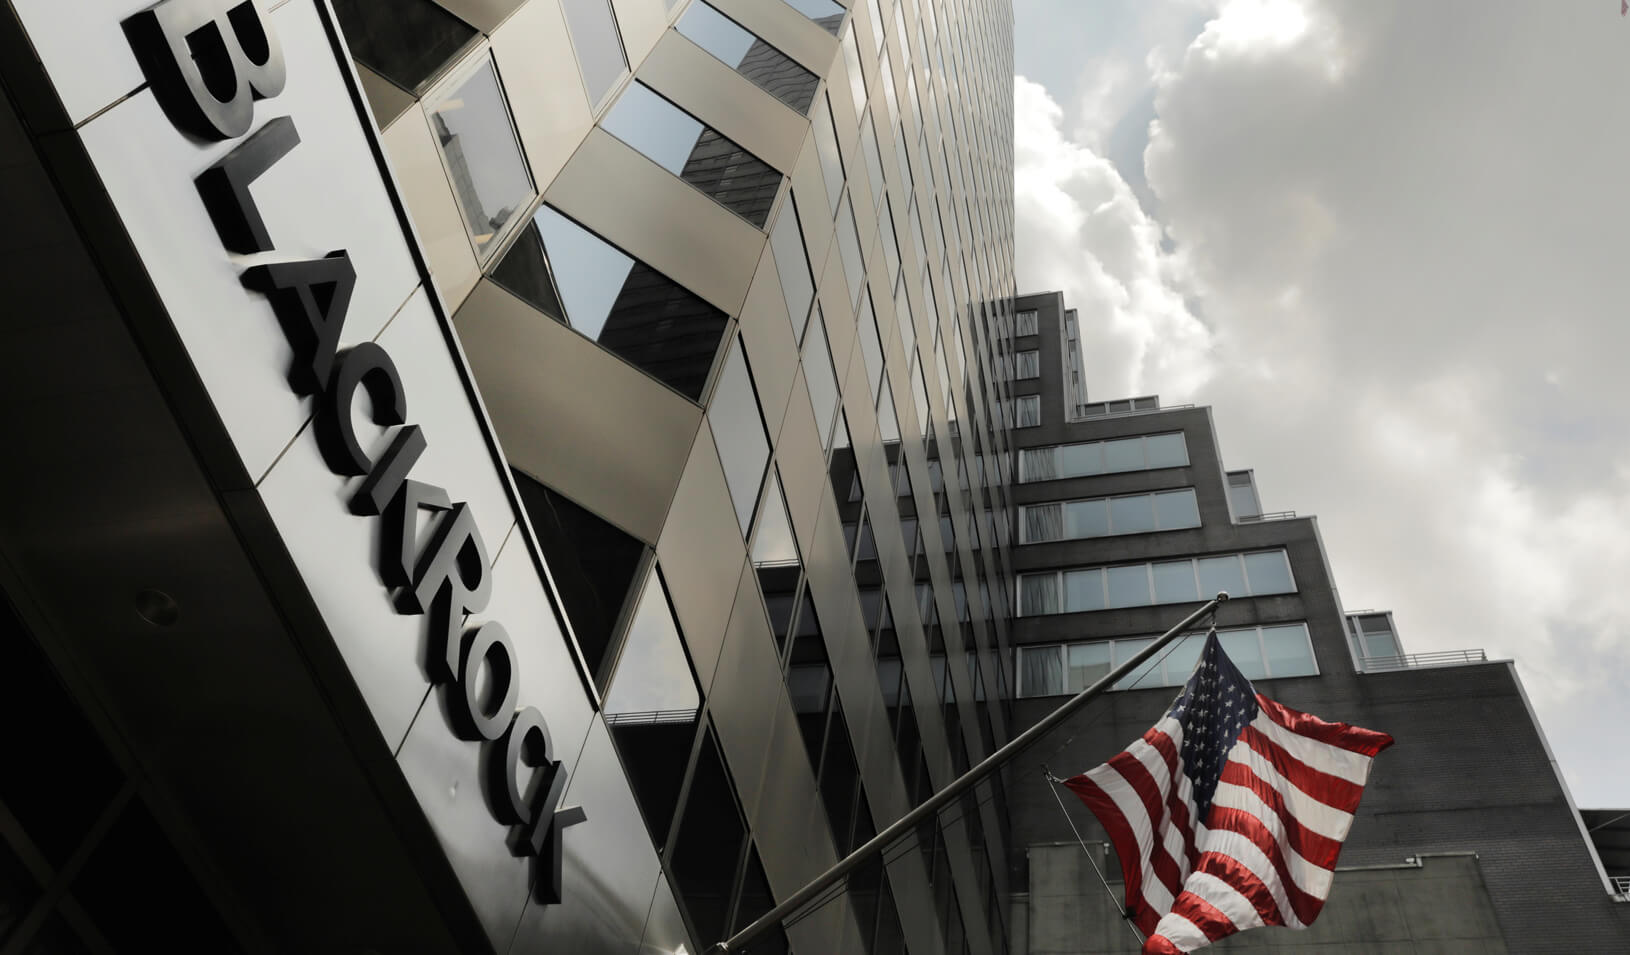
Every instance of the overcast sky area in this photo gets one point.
(1386, 241)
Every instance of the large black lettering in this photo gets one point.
(399, 538)
(311, 298)
(450, 582)
(535, 804)
(380, 486)
(224, 186)
(478, 715)
(208, 61)
(369, 367)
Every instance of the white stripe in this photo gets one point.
(1319, 816)
(1181, 932)
(1246, 853)
(1225, 898)
(1131, 809)
(1310, 878)
(1351, 766)
(1169, 835)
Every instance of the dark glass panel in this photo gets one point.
(708, 844)
(524, 270)
(54, 799)
(142, 897)
(809, 681)
(18, 891)
(477, 140)
(840, 779)
(756, 899)
(407, 42)
(593, 564)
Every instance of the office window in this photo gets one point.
(1255, 574)
(792, 264)
(767, 67)
(824, 12)
(857, 78)
(483, 158)
(1027, 411)
(407, 42)
(1085, 459)
(871, 346)
(818, 377)
(599, 46)
(626, 306)
(1026, 322)
(708, 844)
(826, 149)
(1261, 653)
(775, 558)
(698, 154)
(888, 422)
(593, 563)
(653, 707)
(1027, 364)
(737, 423)
(854, 268)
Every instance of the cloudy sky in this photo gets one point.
(1386, 241)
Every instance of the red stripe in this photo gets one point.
(1237, 876)
(1120, 835)
(1352, 738)
(1315, 848)
(1206, 917)
(1160, 945)
(1331, 790)
(1175, 806)
(1148, 789)
(1304, 904)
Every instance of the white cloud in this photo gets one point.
(1402, 223)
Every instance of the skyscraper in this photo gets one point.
(1127, 516)
(662, 556)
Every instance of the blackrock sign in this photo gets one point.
(209, 63)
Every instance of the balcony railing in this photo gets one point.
(1269, 516)
(1410, 661)
(1621, 887)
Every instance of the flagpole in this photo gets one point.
(957, 787)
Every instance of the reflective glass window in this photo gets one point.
(1182, 656)
(477, 140)
(598, 44)
(857, 78)
(1221, 573)
(1086, 518)
(593, 565)
(1288, 651)
(1127, 586)
(628, 307)
(1174, 582)
(1244, 649)
(818, 377)
(1147, 673)
(792, 264)
(708, 843)
(767, 67)
(1131, 514)
(698, 154)
(888, 423)
(407, 42)
(854, 268)
(1268, 573)
(1088, 663)
(1124, 454)
(738, 430)
(826, 149)
(809, 681)
(652, 707)
(775, 558)
(824, 12)
(871, 346)
(1166, 450)
(1174, 509)
(1083, 590)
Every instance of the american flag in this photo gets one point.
(1229, 813)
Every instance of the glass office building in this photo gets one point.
(504, 475)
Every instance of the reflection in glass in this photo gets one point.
(652, 706)
(792, 265)
(768, 68)
(1146, 675)
(483, 158)
(628, 307)
(1166, 450)
(738, 430)
(1268, 573)
(1083, 590)
(1221, 573)
(854, 269)
(775, 559)
(888, 423)
(839, 779)
(407, 42)
(593, 565)
(1088, 662)
(1127, 586)
(857, 77)
(1174, 582)
(1124, 454)
(818, 377)
(826, 148)
(809, 681)
(1244, 650)
(708, 844)
(1132, 514)
(1176, 509)
(1288, 651)
(599, 47)
(824, 12)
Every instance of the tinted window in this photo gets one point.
(854, 269)
(826, 148)
(708, 844)
(792, 266)
(738, 430)
(698, 154)
(769, 68)
(599, 47)
(407, 42)
(483, 158)
(824, 12)
(818, 376)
